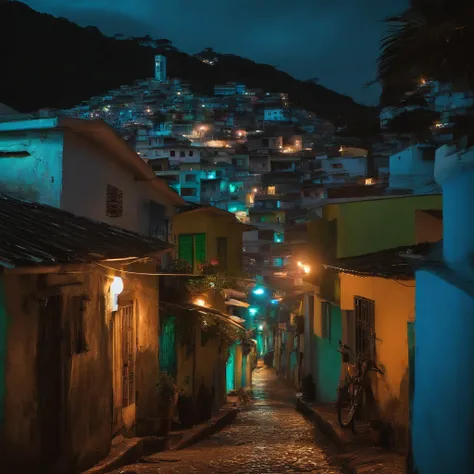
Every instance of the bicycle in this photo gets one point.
(350, 395)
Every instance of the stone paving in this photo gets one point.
(268, 437)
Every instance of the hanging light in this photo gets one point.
(116, 289)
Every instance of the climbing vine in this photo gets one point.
(211, 275)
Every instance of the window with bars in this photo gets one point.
(364, 327)
(326, 320)
(114, 201)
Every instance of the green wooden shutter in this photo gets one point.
(200, 248)
(167, 353)
(185, 248)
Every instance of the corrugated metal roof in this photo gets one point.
(389, 263)
(33, 234)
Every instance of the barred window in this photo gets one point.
(114, 202)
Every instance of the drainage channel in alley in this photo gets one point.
(269, 436)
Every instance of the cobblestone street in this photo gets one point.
(269, 437)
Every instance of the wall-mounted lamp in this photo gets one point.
(115, 289)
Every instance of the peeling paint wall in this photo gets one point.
(85, 399)
(37, 177)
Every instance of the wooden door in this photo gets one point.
(123, 352)
(50, 396)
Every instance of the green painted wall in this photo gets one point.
(369, 226)
(328, 360)
(3, 350)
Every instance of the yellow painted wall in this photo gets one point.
(214, 226)
(369, 226)
(394, 307)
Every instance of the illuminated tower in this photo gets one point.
(160, 68)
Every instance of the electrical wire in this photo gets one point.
(145, 273)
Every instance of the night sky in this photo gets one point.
(336, 41)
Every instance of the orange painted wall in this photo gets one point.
(394, 307)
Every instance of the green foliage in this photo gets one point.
(216, 327)
(179, 266)
(430, 40)
(211, 276)
(166, 387)
(417, 122)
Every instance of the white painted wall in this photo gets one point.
(36, 177)
(443, 411)
(353, 167)
(87, 169)
(408, 170)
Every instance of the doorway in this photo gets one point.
(50, 393)
(230, 370)
(123, 363)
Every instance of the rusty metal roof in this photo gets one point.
(389, 263)
(33, 234)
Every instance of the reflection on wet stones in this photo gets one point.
(269, 437)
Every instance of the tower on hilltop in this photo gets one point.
(160, 68)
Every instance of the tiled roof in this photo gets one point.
(34, 234)
(390, 263)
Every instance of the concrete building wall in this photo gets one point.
(408, 169)
(351, 166)
(87, 170)
(394, 308)
(37, 176)
(371, 225)
(84, 410)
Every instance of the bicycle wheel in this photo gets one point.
(347, 403)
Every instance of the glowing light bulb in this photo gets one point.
(199, 302)
(117, 286)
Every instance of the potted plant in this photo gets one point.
(167, 392)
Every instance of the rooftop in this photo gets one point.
(390, 263)
(327, 202)
(37, 235)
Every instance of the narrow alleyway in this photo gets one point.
(269, 437)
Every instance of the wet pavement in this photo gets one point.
(269, 436)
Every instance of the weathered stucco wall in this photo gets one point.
(37, 177)
(84, 409)
(394, 307)
(85, 378)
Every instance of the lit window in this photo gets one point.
(271, 190)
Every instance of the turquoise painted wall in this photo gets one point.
(328, 360)
(3, 350)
